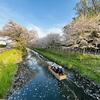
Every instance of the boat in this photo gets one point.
(59, 77)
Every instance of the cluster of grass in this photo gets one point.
(8, 68)
(86, 64)
(24, 51)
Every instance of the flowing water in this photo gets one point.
(44, 86)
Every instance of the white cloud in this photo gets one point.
(42, 32)
(55, 30)
(39, 30)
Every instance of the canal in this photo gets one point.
(44, 86)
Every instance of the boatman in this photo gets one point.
(60, 71)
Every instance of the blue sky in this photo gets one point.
(44, 16)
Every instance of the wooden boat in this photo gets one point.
(59, 77)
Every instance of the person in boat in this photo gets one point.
(60, 71)
(57, 70)
(52, 66)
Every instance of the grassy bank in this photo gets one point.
(8, 68)
(86, 64)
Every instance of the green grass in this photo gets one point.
(8, 69)
(6, 77)
(87, 64)
(24, 51)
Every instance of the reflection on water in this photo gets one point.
(45, 86)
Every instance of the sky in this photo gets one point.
(44, 16)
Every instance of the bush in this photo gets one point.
(1, 45)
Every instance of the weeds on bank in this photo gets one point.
(8, 69)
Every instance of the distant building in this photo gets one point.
(3, 43)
